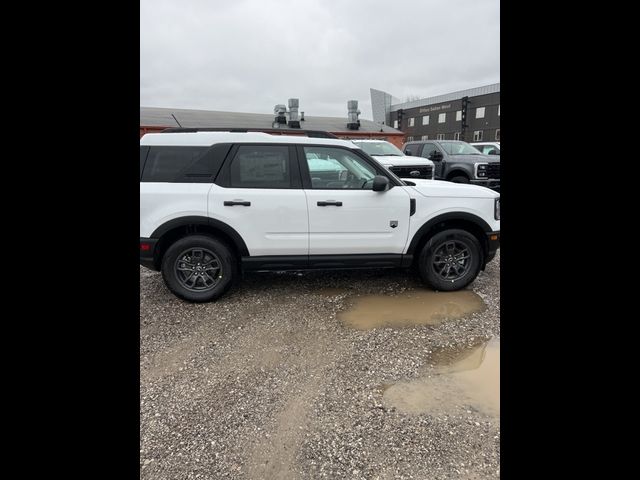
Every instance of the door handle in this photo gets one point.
(329, 202)
(229, 203)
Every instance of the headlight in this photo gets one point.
(496, 209)
(481, 170)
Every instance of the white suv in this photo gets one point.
(215, 203)
(392, 157)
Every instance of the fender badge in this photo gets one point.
(393, 223)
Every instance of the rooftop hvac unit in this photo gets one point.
(294, 121)
(280, 111)
(352, 117)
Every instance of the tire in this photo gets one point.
(459, 179)
(440, 271)
(206, 271)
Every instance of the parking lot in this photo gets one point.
(290, 376)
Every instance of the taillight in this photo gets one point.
(145, 247)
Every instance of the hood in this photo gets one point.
(474, 158)
(403, 161)
(439, 188)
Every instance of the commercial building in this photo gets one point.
(283, 121)
(471, 115)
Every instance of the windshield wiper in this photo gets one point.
(387, 155)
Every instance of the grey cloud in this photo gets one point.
(248, 55)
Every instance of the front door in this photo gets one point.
(345, 215)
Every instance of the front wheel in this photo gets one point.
(450, 260)
(459, 179)
(198, 268)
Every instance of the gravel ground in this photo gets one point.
(268, 383)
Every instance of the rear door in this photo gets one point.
(259, 193)
(346, 216)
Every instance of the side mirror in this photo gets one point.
(380, 183)
(407, 153)
(435, 156)
(493, 151)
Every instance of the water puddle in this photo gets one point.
(418, 307)
(469, 377)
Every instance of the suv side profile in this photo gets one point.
(392, 157)
(214, 204)
(458, 162)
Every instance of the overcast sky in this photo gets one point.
(248, 55)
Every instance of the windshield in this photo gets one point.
(380, 148)
(459, 148)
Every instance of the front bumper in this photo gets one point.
(147, 252)
(493, 244)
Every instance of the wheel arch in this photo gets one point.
(458, 170)
(169, 232)
(462, 220)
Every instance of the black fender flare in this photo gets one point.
(424, 229)
(205, 221)
(467, 169)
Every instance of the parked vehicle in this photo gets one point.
(458, 162)
(392, 157)
(213, 204)
(487, 148)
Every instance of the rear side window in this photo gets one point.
(168, 164)
(260, 166)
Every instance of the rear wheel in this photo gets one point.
(198, 268)
(450, 260)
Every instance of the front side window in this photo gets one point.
(442, 117)
(337, 168)
(429, 149)
(258, 166)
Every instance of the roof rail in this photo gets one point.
(272, 131)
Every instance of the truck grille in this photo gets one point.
(405, 172)
(493, 170)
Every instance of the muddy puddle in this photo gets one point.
(417, 307)
(467, 377)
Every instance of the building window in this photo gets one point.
(498, 110)
(440, 136)
(409, 139)
(456, 136)
(395, 124)
(412, 122)
(424, 137)
(480, 112)
(498, 135)
(442, 118)
(425, 120)
(477, 136)
(459, 116)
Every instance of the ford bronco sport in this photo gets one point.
(213, 204)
